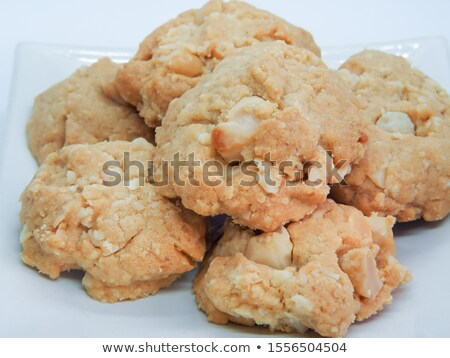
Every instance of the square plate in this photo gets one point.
(34, 306)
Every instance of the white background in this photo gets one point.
(113, 23)
(124, 24)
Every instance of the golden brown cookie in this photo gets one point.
(264, 116)
(323, 272)
(174, 57)
(406, 168)
(83, 109)
(129, 240)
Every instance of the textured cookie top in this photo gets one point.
(396, 96)
(406, 168)
(269, 103)
(322, 272)
(83, 109)
(174, 57)
(119, 234)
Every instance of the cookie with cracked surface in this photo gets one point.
(406, 168)
(322, 273)
(83, 109)
(129, 240)
(267, 100)
(173, 58)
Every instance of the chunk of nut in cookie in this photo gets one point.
(378, 176)
(230, 138)
(396, 123)
(382, 233)
(361, 223)
(361, 267)
(273, 249)
(380, 225)
(186, 64)
(302, 304)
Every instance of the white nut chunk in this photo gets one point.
(396, 123)
(381, 226)
(272, 249)
(361, 267)
(378, 177)
(302, 305)
(382, 233)
(360, 223)
(184, 63)
(232, 137)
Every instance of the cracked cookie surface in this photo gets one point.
(174, 57)
(406, 168)
(278, 109)
(85, 108)
(324, 272)
(129, 240)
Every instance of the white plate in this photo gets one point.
(34, 306)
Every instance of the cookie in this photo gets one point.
(83, 109)
(406, 168)
(174, 57)
(322, 273)
(262, 123)
(129, 240)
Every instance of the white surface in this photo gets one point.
(31, 305)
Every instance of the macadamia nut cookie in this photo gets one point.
(406, 168)
(173, 58)
(323, 272)
(83, 109)
(129, 240)
(261, 122)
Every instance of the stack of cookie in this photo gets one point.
(229, 110)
